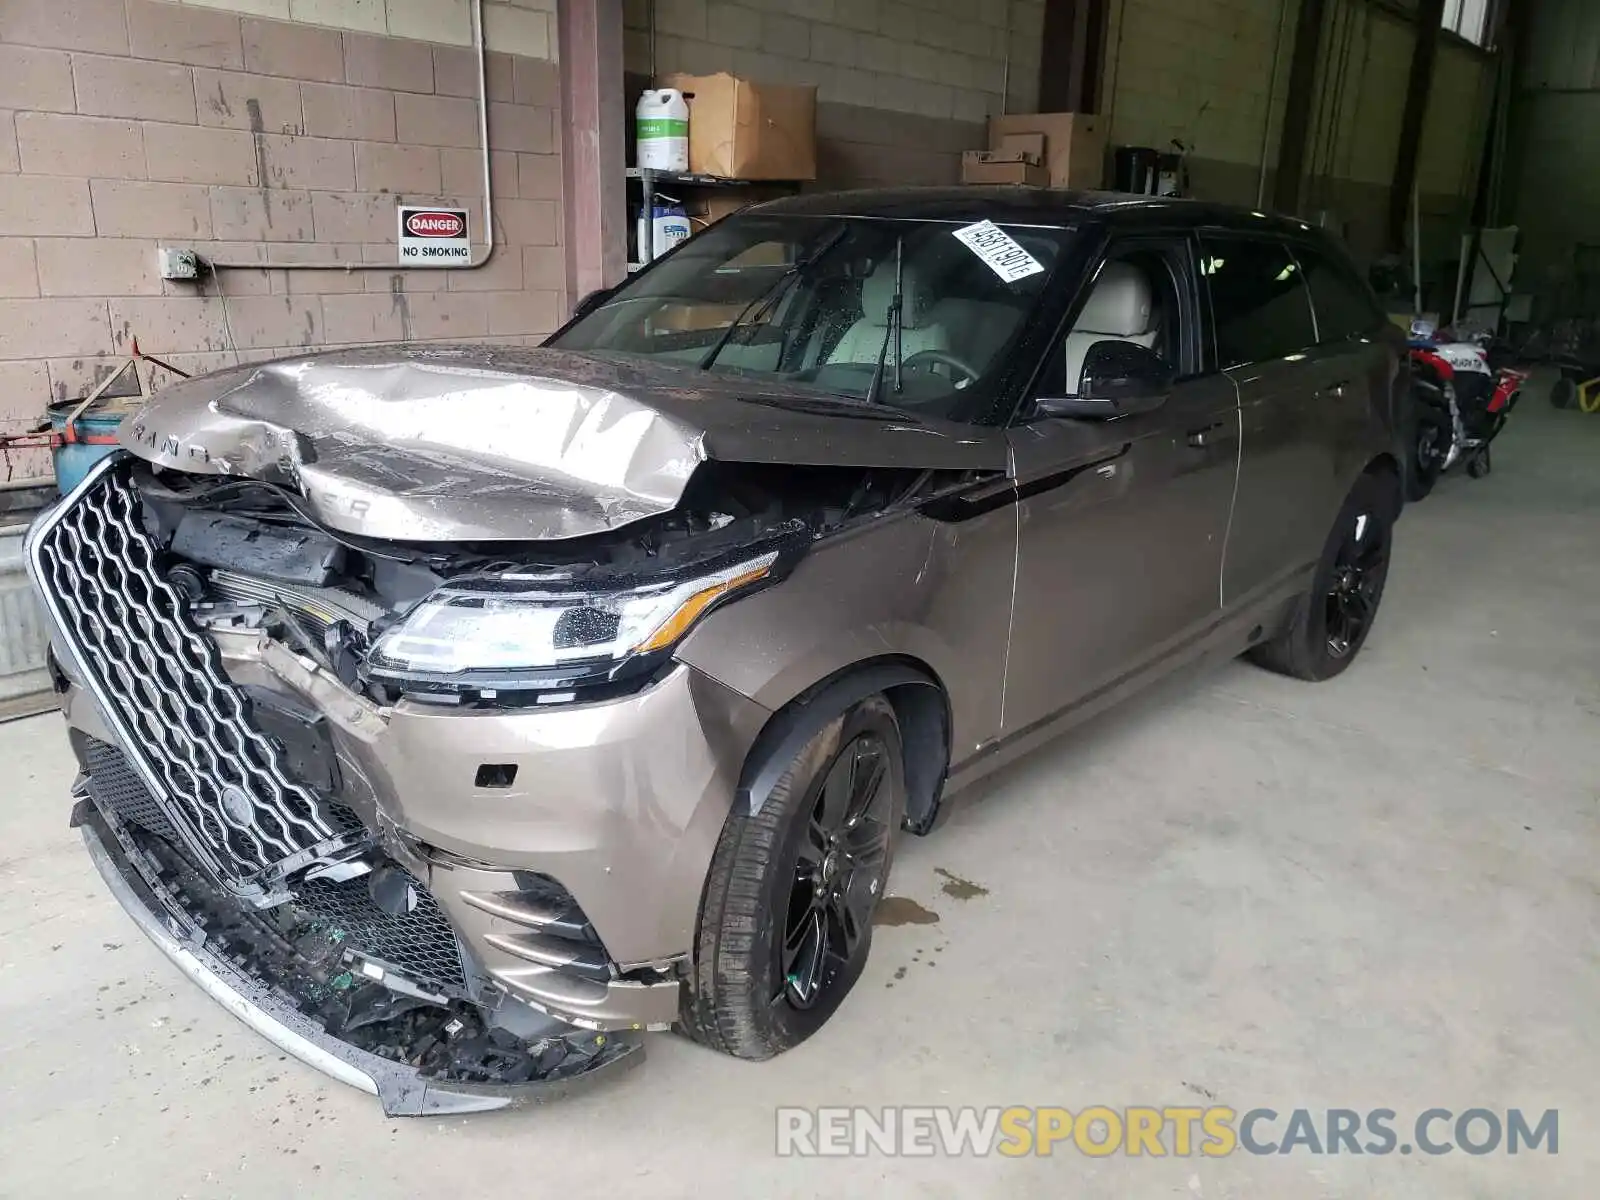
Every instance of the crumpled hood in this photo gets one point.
(481, 443)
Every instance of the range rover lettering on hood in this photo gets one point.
(476, 443)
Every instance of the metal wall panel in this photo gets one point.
(22, 634)
(1563, 46)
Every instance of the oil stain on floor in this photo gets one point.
(902, 910)
(959, 888)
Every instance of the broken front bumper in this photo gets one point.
(402, 1089)
(616, 806)
(515, 860)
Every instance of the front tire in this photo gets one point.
(1429, 444)
(786, 917)
(1332, 620)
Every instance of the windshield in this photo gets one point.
(919, 315)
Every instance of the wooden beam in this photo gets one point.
(1297, 106)
(1430, 13)
(593, 116)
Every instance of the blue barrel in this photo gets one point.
(94, 435)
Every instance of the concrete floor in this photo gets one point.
(1378, 892)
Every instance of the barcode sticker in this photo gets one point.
(999, 251)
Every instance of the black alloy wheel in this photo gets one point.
(1331, 621)
(785, 925)
(1361, 565)
(838, 872)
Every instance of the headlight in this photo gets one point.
(541, 625)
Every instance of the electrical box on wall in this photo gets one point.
(177, 263)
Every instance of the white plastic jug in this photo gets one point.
(666, 227)
(662, 121)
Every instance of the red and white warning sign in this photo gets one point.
(434, 237)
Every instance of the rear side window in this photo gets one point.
(1259, 300)
(1345, 308)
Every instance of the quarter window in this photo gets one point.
(1345, 309)
(1259, 300)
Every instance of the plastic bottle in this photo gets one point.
(662, 121)
(667, 226)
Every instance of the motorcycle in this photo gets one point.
(1461, 405)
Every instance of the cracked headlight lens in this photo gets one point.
(517, 626)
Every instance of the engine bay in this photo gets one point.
(248, 554)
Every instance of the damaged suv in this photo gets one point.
(454, 713)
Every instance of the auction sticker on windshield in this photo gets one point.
(434, 237)
(999, 251)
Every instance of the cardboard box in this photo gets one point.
(686, 316)
(1022, 143)
(707, 206)
(744, 130)
(1003, 166)
(1075, 144)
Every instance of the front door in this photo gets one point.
(1122, 522)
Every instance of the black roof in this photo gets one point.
(1026, 205)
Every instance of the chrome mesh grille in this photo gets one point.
(224, 788)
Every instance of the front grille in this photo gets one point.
(226, 793)
(421, 943)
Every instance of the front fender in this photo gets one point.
(901, 586)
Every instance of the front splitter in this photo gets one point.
(402, 1090)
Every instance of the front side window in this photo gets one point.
(903, 313)
(1345, 307)
(1259, 300)
(1134, 298)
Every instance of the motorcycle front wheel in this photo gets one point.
(1430, 449)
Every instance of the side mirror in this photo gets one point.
(592, 301)
(1118, 378)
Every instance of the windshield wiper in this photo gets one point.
(757, 309)
(896, 331)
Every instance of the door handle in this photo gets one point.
(1205, 435)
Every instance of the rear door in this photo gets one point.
(1356, 347)
(1266, 341)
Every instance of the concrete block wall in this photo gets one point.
(903, 86)
(1202, 71)
(1196, 70)
(255, 131)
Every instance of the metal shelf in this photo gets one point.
(685, 178)
(650, 179)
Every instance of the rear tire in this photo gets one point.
(1332, 620)
(786, 916)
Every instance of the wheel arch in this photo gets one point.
(1386, 467)
(922, 709)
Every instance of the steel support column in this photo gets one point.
(1072, 55)
(1297, 105)
(592, 144)
(1430, 13)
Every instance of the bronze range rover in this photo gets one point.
(454, 714)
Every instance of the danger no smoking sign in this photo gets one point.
(434, 237)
